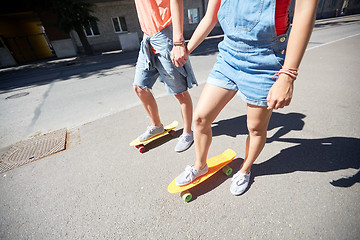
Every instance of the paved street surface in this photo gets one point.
(305, 184)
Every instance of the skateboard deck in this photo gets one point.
(214, 164)
(167, 129)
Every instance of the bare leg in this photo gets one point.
(257, 123)
(212, 100)
(186, 109)
(149, 104)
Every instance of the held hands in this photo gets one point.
(281, 92)
(179, 55)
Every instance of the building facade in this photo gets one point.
(118, 24)
(27, 36)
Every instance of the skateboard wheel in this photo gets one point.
(227, 170)
(142, 149)
(186, 196)
(173, 133)
(138, 146)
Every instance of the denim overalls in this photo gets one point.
(251, 52)
(152, 65)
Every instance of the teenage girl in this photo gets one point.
(259, 60)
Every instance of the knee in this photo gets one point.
(200, 121)
(256, 129)
(140, 90)
(182, 97)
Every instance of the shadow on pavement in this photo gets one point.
(102, 65)
(42, 73)
(315, 155)
(312, 155)
(347, 182)
(237, 126)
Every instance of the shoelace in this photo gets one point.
(239, 178)
(150, 129)
(183, 138)
(189, 174)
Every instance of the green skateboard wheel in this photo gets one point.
(227, 170)
(186, 196)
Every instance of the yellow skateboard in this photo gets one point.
(214, 164)
(167, 129)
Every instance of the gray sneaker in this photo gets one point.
(189, 175)
(239, 183)
(150, 132)
(185, 141)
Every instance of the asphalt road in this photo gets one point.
(304, 185)
(71, 92)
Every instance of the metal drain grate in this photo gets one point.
(33, 149)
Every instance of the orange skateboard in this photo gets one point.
(214, 164)
(167, 129)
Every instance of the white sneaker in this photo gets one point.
(150, 132)
(185, 141)
(189, 175)
(239, 183)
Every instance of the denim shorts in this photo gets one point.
(248, 67)
(152, 66)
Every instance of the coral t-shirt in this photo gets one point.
(154, 15)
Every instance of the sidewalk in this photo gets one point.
(304, 183)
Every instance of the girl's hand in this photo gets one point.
(179, 56)
(281, 92)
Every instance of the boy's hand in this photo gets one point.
(281, 92)
(179, 55)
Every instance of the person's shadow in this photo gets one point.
(237, 126)
(313, 155)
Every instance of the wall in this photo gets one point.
(105, 11)
(201, 5)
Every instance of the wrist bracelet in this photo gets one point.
(181, 43)
(292, 72)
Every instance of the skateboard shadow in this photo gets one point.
(160, 141)
(216, 180)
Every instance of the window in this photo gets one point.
(92, 29)
(119, 24)
(193, 16)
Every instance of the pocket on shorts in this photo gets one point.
(242, 15)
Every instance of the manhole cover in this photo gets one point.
(33, 149)
(18, 95)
